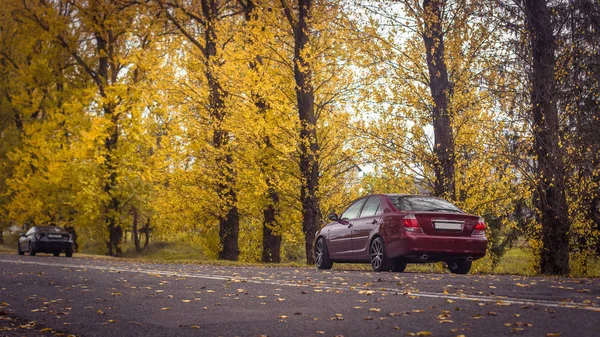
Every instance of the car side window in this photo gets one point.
(371, 207)
(353, 211)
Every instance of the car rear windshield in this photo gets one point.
(423, 204)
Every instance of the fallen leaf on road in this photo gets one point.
(165, 308)
(553, 334)
(186, 301)
(424, 333)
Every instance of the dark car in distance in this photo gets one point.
(391, 230)
(46, 239)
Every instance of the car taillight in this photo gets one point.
(410, 223)
(479, 227)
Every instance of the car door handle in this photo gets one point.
(375, 222)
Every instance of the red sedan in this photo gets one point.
(392, 230)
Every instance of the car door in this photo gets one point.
(24, 241)
(364, 226)
(339, 242)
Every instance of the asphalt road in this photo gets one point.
(59, 296)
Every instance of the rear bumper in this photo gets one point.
(51, 246)
(413, 245)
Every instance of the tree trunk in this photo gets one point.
(271, 251)
(134, 232)
(551, 199)
(229, 222)
(146, 231)
(271, 241)
(441, 89)
(105, 74)
(309, 146)
(1, 236)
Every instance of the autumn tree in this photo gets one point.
(299, 18)
(202, 27)
(577, 85)
(550, 190)
(109, 65)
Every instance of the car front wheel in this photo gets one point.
(379, 260)
(19, 251)
(459, 266)
(31, 250)
(69, 252)
(322, 255)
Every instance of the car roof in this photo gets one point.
(49, 227)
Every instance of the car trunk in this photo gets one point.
(446, 224)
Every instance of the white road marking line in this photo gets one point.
(473, 298)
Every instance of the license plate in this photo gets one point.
(448, 225)
(55, 236)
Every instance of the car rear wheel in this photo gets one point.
(31, 250)
(322, 255)
(69, 252)
(56, 253)
(399, 266)
(459, 266)
(19, 251)
(379, 260)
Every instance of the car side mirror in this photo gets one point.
(22, 235)
(333, 217)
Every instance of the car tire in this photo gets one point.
(69, 252)
(399, 266)
(322, 260)
(459, 266)
(19, 251)
(31, 250)
(56, 253)
(378, 255)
